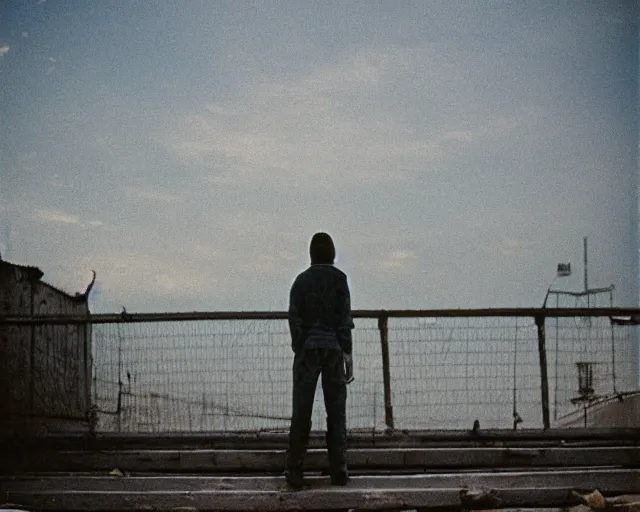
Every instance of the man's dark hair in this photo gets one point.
(322, 249)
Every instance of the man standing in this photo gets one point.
(320, 323)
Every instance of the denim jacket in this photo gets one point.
(320, 309)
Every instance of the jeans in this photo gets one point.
(308, 365)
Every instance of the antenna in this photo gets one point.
(586, 278)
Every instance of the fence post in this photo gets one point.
(544, 378)
(386, 372)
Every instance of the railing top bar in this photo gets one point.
(497, 312)
(282, 315)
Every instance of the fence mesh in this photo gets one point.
(216, 375)
(445, 372)
(448, 372)
(589, 359)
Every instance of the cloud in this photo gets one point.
(458, 136)
(510, 246)
(25, 34)
(152, 195)
(57, 217)
(398, 259)
(330, 124)
(358, 121)
(4, 49)
(127, 274)
(240, 253)
(215, 109)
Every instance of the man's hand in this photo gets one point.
(348, 367)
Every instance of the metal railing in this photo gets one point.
(415, 369)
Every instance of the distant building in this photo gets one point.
(45, 370)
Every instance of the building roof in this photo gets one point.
(37, 273)
(28, 268)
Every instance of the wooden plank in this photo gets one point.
(279, 439)
(233, 501)
(315, 499)
(273, 460)
(607, 481)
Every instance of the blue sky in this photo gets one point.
(187, 151)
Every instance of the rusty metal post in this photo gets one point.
(383, 322)
(544, 378)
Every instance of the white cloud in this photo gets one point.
(219, 110)
(458, 136)
(510, 246)
(355, 73)
(126, 274)
(4, 49)
(57, 217)
(288, 256)
(399, 259)
(251, 251)
(152, 195)
(25, 34)
(341, 122)
(328, 125)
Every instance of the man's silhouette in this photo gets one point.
(320, 323)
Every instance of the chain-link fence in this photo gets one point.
(443, 372)
(447, 372)
(215, 375)
(590, 359)
(507, 369)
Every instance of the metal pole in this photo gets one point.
(282, 315)
(386, 371)
(515, 377)
(613, 347)
(544, 379)
(555, 377)
(586, 278)
(119, 404)
(375, 403)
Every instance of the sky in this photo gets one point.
(187, 151)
